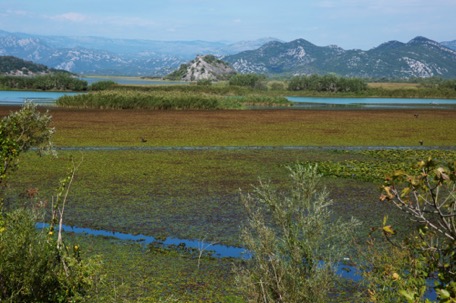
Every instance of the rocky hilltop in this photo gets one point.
(206, 67)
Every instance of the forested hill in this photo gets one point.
(10, 65)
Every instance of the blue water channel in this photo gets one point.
(218, 250)
(9, 97)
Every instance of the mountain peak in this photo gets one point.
(389, 45)
(422, 40)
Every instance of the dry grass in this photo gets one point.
(391, 86)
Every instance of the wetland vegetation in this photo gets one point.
(194, 194)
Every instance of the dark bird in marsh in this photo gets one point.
(416, 115)
(143, 140)
(421, 142)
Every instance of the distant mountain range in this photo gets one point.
(419, 57)
(102, 56)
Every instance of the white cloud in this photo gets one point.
(73, 17)
(17, 12)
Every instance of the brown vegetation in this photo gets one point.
(93, 127)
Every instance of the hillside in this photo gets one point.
(420, 57)
(206, 67)
(10, 65)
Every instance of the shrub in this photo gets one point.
(293, 240)
(33, 269)
(428, 197)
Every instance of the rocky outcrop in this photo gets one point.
(206, 67)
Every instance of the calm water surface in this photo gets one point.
(38, 97)
(373, 103)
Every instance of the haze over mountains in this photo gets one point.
(420, 57)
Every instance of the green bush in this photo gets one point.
(33, 269)
(294, 241)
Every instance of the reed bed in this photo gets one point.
(166, 100)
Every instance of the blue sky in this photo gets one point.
(349, 24)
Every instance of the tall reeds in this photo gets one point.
(165, 100)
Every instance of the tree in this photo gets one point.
(294, 241)
(327, 83)
(19, 132)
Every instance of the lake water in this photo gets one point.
(49, 98)
(38, 97)
(318, 102)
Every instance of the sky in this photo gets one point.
(350, 24)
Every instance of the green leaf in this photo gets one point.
(409, 296)
(443, 293)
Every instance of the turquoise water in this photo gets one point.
(315, 102)
(19, 97)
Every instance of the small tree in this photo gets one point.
(294, 241)
(19, 132)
